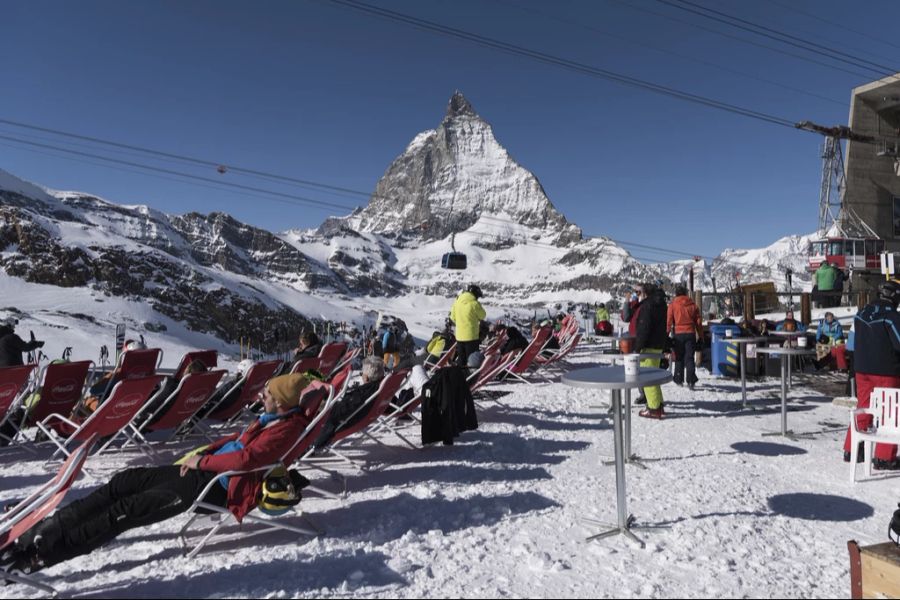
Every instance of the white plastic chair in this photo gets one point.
(884, 406)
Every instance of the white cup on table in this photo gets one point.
(632, 365)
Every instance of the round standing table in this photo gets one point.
(788, 335)
(626, 412)
(742, 351)
(614, 379)
(785, 354)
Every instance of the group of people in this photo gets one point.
(828, 285)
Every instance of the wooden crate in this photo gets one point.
(874, 570)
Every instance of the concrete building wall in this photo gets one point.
(872, 181)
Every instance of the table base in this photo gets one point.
(634, 459)
(626, 530)
(789, 434)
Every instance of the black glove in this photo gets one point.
(39, 344)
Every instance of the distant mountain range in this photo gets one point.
(453, 184)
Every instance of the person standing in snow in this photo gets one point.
(684, 324)
(467, 314)
(876, 360)
(648, 326)
(12, 346)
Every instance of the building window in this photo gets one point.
(896, 217)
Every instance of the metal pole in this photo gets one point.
(743, 354)
(627, 425)
(620, 460)
(784, 361)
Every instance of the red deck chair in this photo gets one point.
(527, 358)
(29, 512)
(305, 364)
(373, 408)
(330, 355)
(61, 391)
(311, 403)
(445, 359)
(246, 389)
(494, 347)
(13, 384)
(110, 418)
(209, 358)
(191, 394)
(489, 369)
(348, 358)
(340, 380)
(135, 364)
(558, 355)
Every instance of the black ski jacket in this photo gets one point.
(650, 330)
(876, 341)
(12, 347)
(447, 406)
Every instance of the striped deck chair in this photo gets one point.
(315, 402)
(19, 520)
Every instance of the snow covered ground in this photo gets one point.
(729, 513)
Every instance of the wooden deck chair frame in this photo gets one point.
(304, 440)
(29, 512)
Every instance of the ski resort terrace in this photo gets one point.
(727, 511)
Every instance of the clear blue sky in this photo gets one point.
(316, 91)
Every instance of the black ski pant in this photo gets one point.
(684, 345)
(132, 498)
(463, 350)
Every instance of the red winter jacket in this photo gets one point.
(684, 316)
(262, 446)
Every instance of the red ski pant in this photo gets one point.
(864, 386)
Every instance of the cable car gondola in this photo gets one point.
(454, 260)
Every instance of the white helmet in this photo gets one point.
(135, 345)
(244, 366)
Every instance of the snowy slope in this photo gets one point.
(729, 513)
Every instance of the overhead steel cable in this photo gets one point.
(777, 36)
(742, 40)
(668, 52)
(287, 198)
(562, 62)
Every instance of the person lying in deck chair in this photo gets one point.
(145, 495)
(372, 374)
